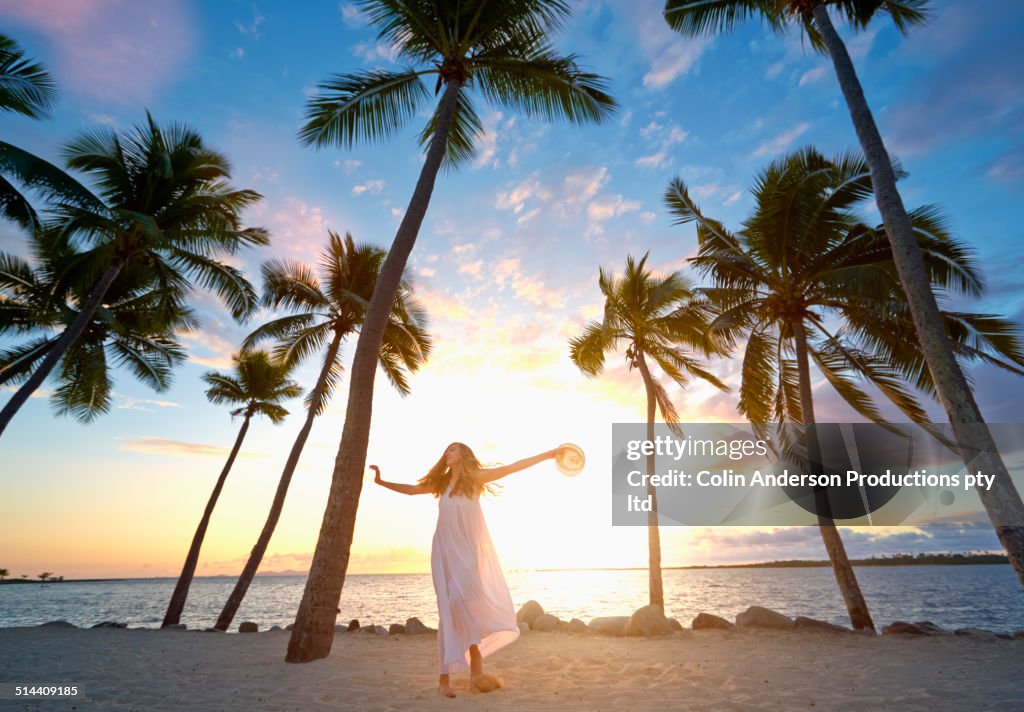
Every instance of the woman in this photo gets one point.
(473, 602)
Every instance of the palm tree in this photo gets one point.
(4, 573)
(661, 319)
(166, 207)
(328, 310)
(503, 51)
(25, 86)
(257, 386)
(806, 279)
(135, 329)
(45, 575)
(977, 448)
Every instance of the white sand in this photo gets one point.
(691, 670)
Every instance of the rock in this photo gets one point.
(60, 624)
(289, 626)
(1018, 635)
(175, 626)
(609, 625)
(275, 628)
(676, 625)
(760, 617)
(578, 627)
(902, 628)
(374, 629)
(804, 623)
(529, 613)
(706, 621)
(248, 627)
(524, 628)
(544, 623)
(353, 625)
(930, 628)
(396, 629)
(649, 620)
(980, 633)
(212, 630)
(414, 626)
(110, 624)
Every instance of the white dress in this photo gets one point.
(473, 602)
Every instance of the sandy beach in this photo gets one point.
(121, 669)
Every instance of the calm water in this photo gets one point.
(951, 596)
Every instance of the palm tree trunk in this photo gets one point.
(657, 592)
(313, 633)
(978, 450)
(69, 337)
(856, 606)
(177, 604)
(256, 556)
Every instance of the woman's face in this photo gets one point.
(453, 455)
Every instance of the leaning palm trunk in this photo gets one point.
(313, 633)
(657, 592)
(857, 608)
(60, 348)
(256, 556)
(177, 604)
(977, 448)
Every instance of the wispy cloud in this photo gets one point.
(116, 51)
(782, 141)
(177, 448)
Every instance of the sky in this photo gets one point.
(506, 265)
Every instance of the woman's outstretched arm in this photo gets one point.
(496, 473)
(398, 486)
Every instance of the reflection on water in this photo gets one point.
(951, 596)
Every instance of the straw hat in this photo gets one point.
(570, 459)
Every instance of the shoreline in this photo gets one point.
(686, 670)
(950, 560)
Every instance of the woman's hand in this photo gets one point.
(376, 476)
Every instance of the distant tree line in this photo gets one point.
(940, 559)
(43, 577)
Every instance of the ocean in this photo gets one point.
(984, 596)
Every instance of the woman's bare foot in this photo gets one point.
(485, 682)
(444, 687)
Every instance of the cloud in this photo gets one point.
(733, 198)
(218, 349)
(373, 187)
(176, 448)
(664, 137)
(813, 75)
(779, 143)
(970, 89)
(1008, 167)
(487, 144)
(114, 51)
(376, 51)
(252, 28)
(140, 403)
(674, 60)
(670, 55)
(352, 16)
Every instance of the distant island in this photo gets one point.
(889, 560)
(947, 559)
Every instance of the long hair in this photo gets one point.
(469, 485)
